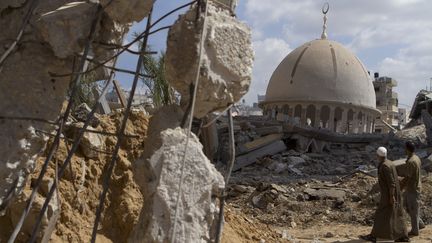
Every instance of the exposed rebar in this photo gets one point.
(114, 157)
(189, 128)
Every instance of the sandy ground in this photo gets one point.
(345, 234)
(341, 233)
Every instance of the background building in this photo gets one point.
(387, 103)
(402, 117)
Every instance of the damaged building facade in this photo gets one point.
(387, 103)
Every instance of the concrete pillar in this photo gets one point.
(354, 125)
(344, 121)
(363, 125)
(331, 125)
(303, 117)
(368, 123)
(317, 117)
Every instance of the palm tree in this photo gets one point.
(160, 90)
(86, 88)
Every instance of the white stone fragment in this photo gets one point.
(227, 59)
(92, 144)
(127, 11)
(197, 208)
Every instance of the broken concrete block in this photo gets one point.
(19, 206)
(197, 206)
(81, 112)
(127, 11)
(277, 167)
(331, 193)
(268, 130)
(67, 27)
(227, 59)
(262, 200)
(250, 158)
(166, 117)
(92, 144)
(293, 160)
(427, 164)
(257, 143)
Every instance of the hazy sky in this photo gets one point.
(392, 37)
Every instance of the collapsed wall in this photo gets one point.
(56, 33)
(227, 57)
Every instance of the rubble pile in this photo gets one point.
(295, 189)
(301, 203)
(80, 187)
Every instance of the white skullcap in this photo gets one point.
(382, 152)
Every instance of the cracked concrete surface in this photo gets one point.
(225, 73)
(197, 208)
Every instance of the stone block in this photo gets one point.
(227, 58)
(258, 143)
(197, 207)
(250, 158)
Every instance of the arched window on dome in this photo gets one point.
(285, 109)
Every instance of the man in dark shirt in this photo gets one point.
(411, 185)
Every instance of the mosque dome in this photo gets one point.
(321, 71)
(323, 85)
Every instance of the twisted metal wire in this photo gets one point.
(33, 5)
(114, 157)
(227, 176)
(75, 84)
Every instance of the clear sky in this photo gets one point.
(392, 37)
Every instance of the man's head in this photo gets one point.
(409, 148)
(382, 154)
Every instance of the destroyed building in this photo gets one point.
(387, 103)
(402, 117)
(422, 102)
(323, 85)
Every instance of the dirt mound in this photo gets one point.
(239, 228)
(82, 183)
